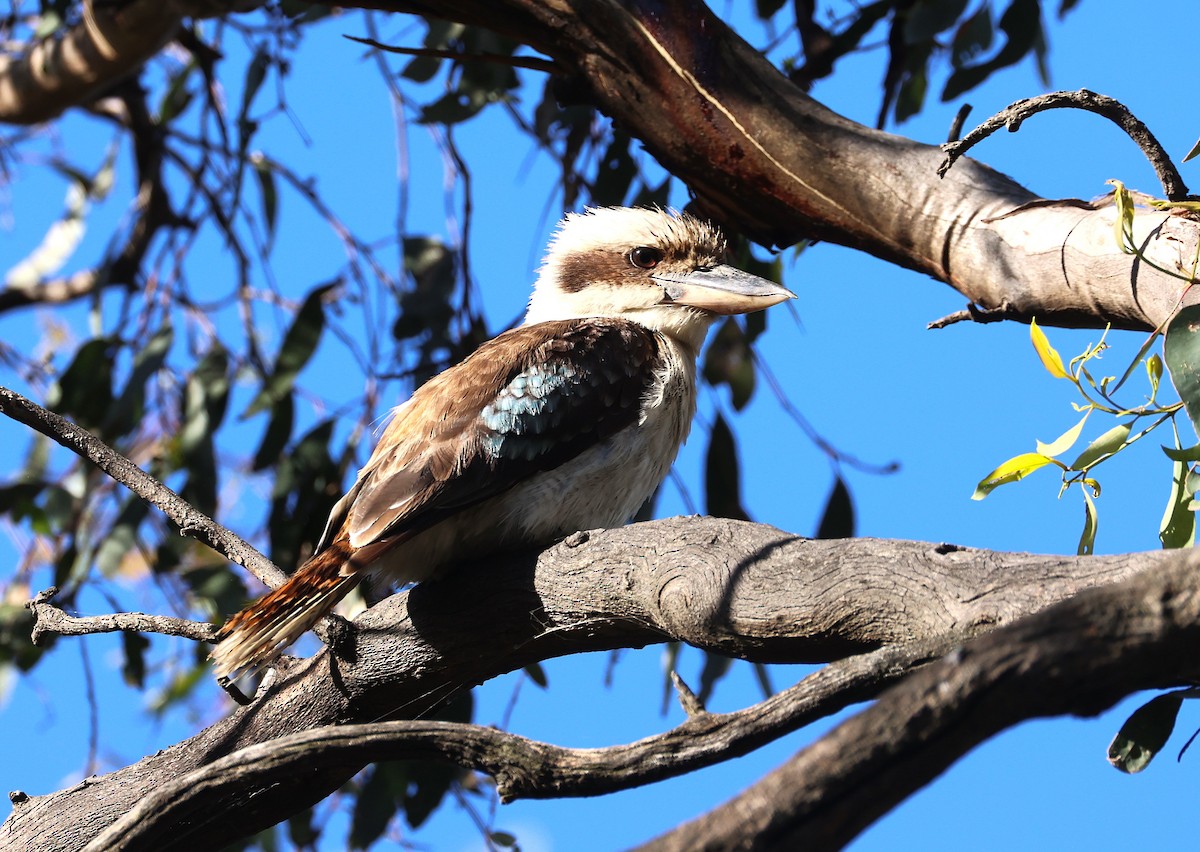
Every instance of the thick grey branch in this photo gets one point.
(49, 619)
(1079, 658)
(189, 520)
(741, 589)
(766, 159)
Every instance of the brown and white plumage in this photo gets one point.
(567, 422)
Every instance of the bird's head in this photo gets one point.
(662, 269)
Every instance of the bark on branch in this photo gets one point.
(737, 588)
(1079, 657)
(50, 619)
(68, 69)
(764, 157)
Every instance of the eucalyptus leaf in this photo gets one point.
(1145, 733)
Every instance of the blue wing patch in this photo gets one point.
(533, 404)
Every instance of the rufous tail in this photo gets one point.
(277, 619)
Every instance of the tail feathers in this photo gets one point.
(257, 633)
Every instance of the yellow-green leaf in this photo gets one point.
(1104, 446)
(1192, 153)
(1178, 527)
(1050, 358)
(1016, 468)
(1154, 369)
(1064, 441)
(1123, 224)
(1087, 540)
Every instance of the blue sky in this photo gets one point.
(856, 358)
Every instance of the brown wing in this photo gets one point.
(524, 402)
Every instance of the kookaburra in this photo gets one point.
(567, 422)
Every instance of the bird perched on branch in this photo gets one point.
(567, 422)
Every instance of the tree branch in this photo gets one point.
(521, 767)
(190, 521)
(50, 619)
(740, 589)
(1013, 115)
(764, 158)
(68, 69)
(1078, 657)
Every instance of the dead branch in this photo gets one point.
(1012, 116)
(49, 619)
(190, 521)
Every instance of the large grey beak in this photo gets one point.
(722, 289)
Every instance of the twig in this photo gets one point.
(49, 619)
(977, 313)
(190, 521)
(533, 63)
(956, 125)
(1172, 183)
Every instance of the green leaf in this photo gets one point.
(276, 436)
(1066, 440)
(1192, 153)
(615, 173)
(256, 74)
(1087, 539)
(298, 346)
(1178, 526)
(133, 670)
(973, 37)
(121, 537)
(1123, 223)
(377, 802)
(1104, 446)
(1181, 351)
(1185, 454)
(716, 666)
(206, 397)
(727, 361)
(537, 674)
(178, 689)
(925, 20)
(1047, 353)
(837, 521)
(265, 173)
(1016, 468)
(1021, 24)
(84, 390)
(126, 412)
(1145, 733)
(722, 480)
(911, 96)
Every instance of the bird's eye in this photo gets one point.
(645, 257)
